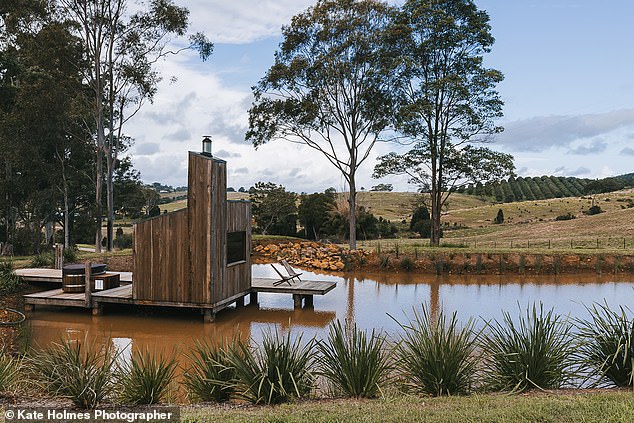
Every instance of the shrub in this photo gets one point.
(278, 371)
(42, 259)
(435, 356)
(211, 376)
(353, 363)
(567, 216)
(71, 254)
(145, 379)
(594, 210)
(407, 264)
(535, 352)
(79, 373)
(9, 281)
(123, 241)
(499, 218)
(9, 372)
(607, 349)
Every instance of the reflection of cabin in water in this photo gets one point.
(199, 256)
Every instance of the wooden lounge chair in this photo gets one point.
(291, 274)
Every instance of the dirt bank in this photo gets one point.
(301, 254)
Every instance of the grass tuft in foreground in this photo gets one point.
(9, 372)
(435, 356)
(353, 363)
(79, 371)
(276, 372)
(535, 352)
(608, 348)
(211, 376)
(9, 281)
(146, 379)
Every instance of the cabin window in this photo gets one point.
(236, 247)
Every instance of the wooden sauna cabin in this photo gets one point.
(198, 257)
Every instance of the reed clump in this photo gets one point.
(436, 356)
(607, 349)
(354, 363)
(146, 378)
(534, 352)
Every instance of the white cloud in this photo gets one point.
(243, 21)
(543, 132)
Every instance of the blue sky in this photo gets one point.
(568, 93)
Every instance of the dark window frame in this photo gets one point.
(236, 247)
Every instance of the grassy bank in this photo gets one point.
(570, 406)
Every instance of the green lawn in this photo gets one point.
(606, 406)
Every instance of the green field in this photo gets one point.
(572, 406)
(527, 224)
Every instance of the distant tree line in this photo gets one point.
(546, 187)
(314, 216)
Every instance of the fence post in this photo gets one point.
(59, 256)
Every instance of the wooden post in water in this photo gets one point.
(59, 256)
(88, 287)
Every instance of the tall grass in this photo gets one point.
(353, 363)
(42, 259)
(9, 372)
(436, 356)
(9, 281)
(146, 378)
(537, 351)
(79, 371)
(607, 350)
(211, 376)
(278, 371)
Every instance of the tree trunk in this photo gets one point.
(98, 191)
(352, 201)
(434, 239)
(66, 217)
(110, 200)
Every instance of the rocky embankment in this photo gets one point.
(312, 255)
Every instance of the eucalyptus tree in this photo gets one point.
(121, 48)
(446, 99)
(327, 89)
(42, 141)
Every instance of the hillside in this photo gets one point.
(547, 187)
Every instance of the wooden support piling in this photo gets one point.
(210, 316)
(253, 298)
(297, 301)
(59, 256)
(308, 301)
(240, 302)
(88, 287)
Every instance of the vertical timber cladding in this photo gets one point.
(200, 211)
(161, 258)
(238, 276)
(181, 257)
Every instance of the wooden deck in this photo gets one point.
(55, 275)
(298, 288)
(302, 292)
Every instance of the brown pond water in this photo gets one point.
(367, 299)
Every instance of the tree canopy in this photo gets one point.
(327, 89)
(445, 99)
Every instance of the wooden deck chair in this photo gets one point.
(289, 278)
(291, 272)
(283, 278)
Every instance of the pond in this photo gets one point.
(367, 299)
